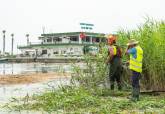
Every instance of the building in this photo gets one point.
(63, 45)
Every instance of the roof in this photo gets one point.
(71, 34)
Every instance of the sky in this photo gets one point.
(23, 17)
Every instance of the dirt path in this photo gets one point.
(30, 78)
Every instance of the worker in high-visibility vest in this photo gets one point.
(114, 60)
(135, 65)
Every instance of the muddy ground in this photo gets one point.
(30, 78)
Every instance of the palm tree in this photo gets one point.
(12, 43)
(4, 41)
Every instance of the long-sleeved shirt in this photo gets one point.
(133, 52)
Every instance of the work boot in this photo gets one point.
(130, 96)
(119, 87)
(137, 92)
(133, 97)
(112, 86)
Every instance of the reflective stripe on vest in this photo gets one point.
(114, 50)
(136, 63)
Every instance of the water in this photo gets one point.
(19, 91)
(7, 92)
(22, 68)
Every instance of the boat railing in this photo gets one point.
(41, 43)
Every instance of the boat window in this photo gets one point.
(49, 40)
(87, 39)
(44, 51)
(56, 52)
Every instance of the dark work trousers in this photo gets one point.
(135, 84)
(115, 72)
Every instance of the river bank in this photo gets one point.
(45, 60)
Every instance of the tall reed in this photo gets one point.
(151, 36)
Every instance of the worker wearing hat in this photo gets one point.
(135, 65)
(114, 60)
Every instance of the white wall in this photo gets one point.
(62, 51)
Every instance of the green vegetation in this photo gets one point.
(89, 93)
(151, 36)
(79, 100)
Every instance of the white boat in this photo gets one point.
(2, 60)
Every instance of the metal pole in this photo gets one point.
(12, 43)
(27, 35)
(4, 41)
